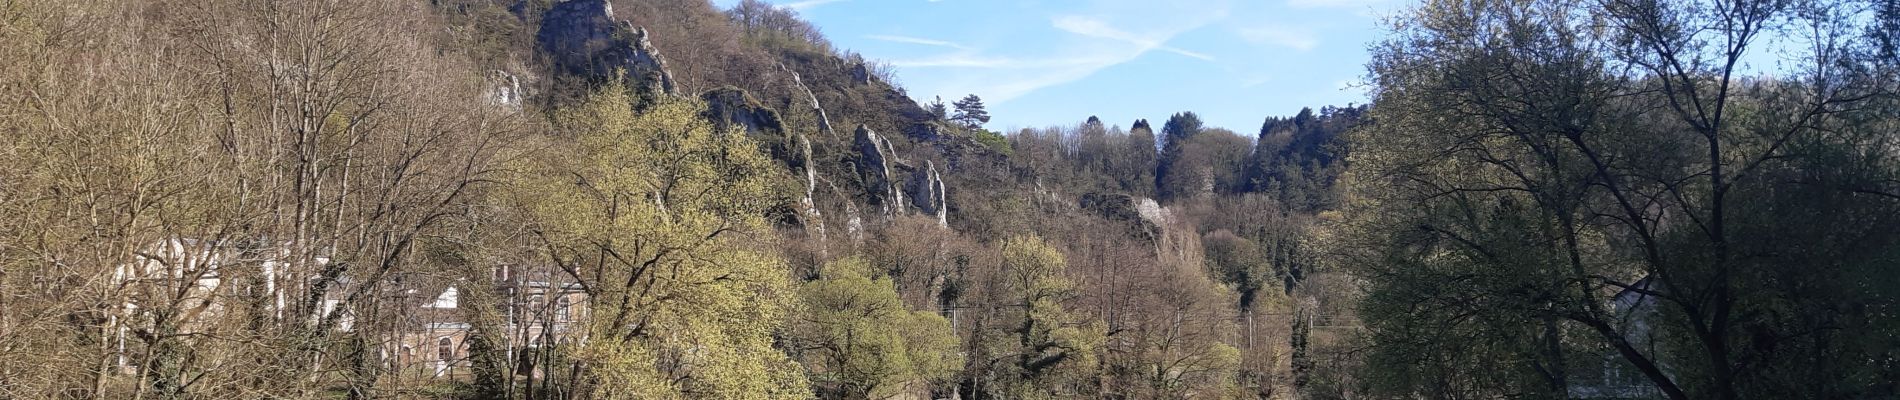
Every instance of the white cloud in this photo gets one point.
(1079, 61)
(1096, 42)
(962, 60)
(1096, 27)
(1280, 36)
(1004, 79)
(1201, 56)
(917, 40)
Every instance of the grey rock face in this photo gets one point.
(1152, 212)
(814, 220)
(504, 90)
(582, 37)
(928, 193)
(928, 131)
(730, 107)
(647, 56)
(824, 121)
(1143, 216)
(860, 74)
(875, 157)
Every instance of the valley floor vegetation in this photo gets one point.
(660, 199)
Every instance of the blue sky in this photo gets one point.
(1038, 63)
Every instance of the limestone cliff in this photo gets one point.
(875, 159)
(730, 107)
(928, 193)
(582, 37)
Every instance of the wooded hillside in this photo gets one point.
(499, 199)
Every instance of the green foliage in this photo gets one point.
(1540, 203)
(651, 211)
(937, 109)
(647, 211)
(970, 112)
(1208, 163)
(1137, 171)
(991, 139)
(1181, 126)
(488, 372)
(1240, 262)
(1549, 196)
(1052, 353)
(1169, 182)
(1297, 160)
(858, 341)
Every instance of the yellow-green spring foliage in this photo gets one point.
(1054, 351)
(859, 341)
(651, 212)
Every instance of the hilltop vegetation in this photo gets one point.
(662, 199)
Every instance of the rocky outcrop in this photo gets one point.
(860, 73)
(814, 220)
(824, 120)
(853, 220)
(730, 107)
(1145, 217)
(928, 132)
(1152, 212)
(928, 194)
(875, 159)
(648, 57)
(504, 90)
(581, 37)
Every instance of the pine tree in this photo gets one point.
(970, 112)
(1174, 135)
(938, 110)
(1137, 173)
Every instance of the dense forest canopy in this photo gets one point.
(540, 199)
(1603, 184)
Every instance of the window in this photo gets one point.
(445, 349)
(561, 306)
